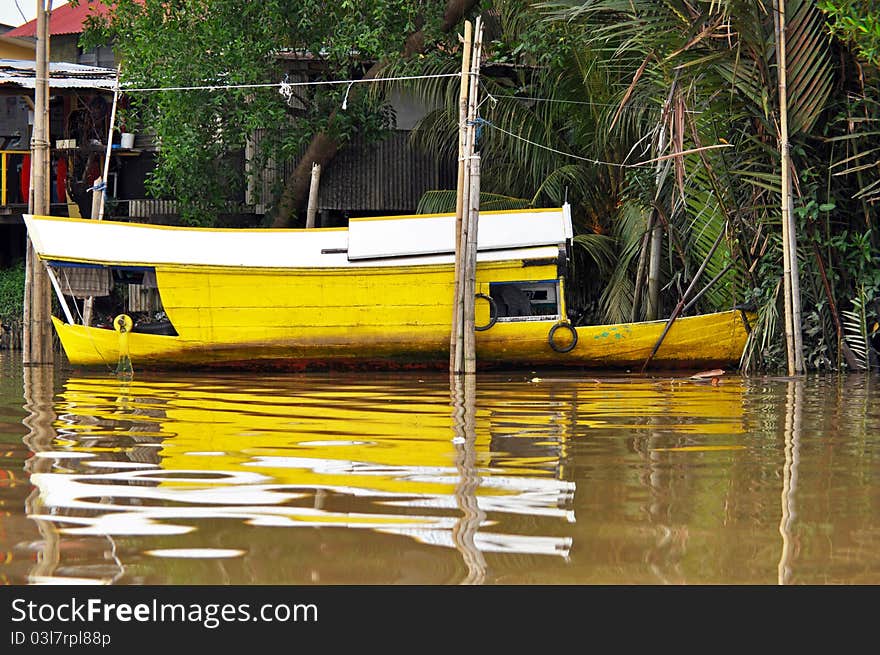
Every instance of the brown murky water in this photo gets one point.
(569, 478)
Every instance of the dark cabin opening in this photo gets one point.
(537, 300)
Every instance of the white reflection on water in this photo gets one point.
(156, 459)
(196, 553)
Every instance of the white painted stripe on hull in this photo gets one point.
(86, 240)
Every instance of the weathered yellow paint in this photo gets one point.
(283, 439)
(289, 435)
(372, 315)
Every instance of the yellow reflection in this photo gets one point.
(158, 456)
(462, 467)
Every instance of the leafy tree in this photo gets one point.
(230, 48)
(687, 74)
(856, 22)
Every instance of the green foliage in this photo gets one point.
(856, 22)
(855, 328)
(231, 46)
(443, 202)
(12, 293)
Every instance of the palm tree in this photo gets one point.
(662, 120)
(707, 74)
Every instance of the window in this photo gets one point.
(526, 300)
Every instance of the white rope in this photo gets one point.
(283, 85)
(558, 152)
(606, 163)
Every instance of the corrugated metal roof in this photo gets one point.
(22, 73)
(65, 19)
(388, 175)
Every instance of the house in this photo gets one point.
(80, 105)
(12, 48)
(66, 24)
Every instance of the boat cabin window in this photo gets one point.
(115, 290)
(525, 300)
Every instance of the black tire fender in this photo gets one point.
(493, 313)
(574, 337)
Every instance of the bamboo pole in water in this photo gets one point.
(461, 191)
(791, 284)
(470, 266)
(466, 358)
(37, 341)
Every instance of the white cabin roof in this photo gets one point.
(435, 234)
(394, 241)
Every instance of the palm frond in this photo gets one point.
(442, 201)
(855, 329)
(600, 248)
(810, 75)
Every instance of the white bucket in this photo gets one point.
(127, 141)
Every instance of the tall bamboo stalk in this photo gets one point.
(470, 268)
(37, 342)
(465, 357)
(791, 285)
(461, 192)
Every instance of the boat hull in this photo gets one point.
(705, 341)
(378, 294)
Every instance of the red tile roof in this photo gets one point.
(65, 19)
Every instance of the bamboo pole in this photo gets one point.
(39, 393)
(791, 285)
(465, 359)
(795, 284)
(106, 173)
(99, 191)
(313, 195)
(461, 192)
(470, 278)
(37, 341)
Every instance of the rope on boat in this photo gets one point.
(123, 324)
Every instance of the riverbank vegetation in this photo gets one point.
(11, 305)
(658, 122)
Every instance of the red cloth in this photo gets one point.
(25, 178)
(61, 179)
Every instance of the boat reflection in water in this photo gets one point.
(210, 468)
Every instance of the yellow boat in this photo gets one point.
(378, 293)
